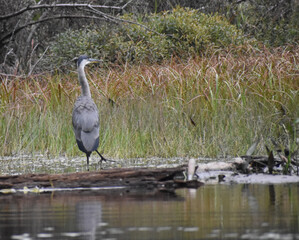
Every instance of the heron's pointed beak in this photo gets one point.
(92, 60)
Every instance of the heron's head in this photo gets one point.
(84, 60)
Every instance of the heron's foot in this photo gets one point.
(100, 164)
(102, 159)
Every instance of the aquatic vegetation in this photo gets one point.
(214, 105)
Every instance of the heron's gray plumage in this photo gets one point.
(86, 123)
(85, 116)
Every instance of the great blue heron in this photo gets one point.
(85, 114)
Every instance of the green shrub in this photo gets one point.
(70, 44)
(180, 32)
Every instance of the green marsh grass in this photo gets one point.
(214, 105)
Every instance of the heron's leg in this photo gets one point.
(102, 158)
(87, 156)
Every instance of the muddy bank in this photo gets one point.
(204, 170)
(215, 177)
(238, 170)
(38, 163)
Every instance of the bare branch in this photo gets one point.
(8, 35)
(117, 20)
(32, 69)
(240, 1)
(65, 5)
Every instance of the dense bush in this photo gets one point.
(72, 43)
(180, 32)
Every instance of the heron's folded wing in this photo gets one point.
(85, 119)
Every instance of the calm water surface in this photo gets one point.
(210, 212)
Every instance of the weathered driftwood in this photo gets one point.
(145, 178)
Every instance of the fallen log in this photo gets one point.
(145, 178)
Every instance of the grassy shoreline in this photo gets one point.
(214, 105)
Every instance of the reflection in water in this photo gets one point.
(88, 217)
(210, 212)
(272, 194)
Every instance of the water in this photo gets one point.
(219, 211)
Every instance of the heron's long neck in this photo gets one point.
(83, 82)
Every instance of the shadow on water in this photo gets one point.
(211, 212)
